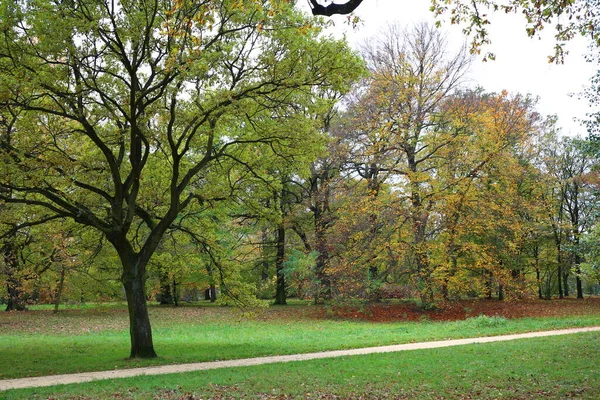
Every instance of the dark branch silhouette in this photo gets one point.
(334, 8)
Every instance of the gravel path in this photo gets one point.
(170, 369)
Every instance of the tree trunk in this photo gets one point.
(59, 290)
(488, 276)
(166, 293)
(566, 283)
(324, 283)
(213, 292)
(419, 220)
(425, 278)
(560, 288)
(577, 259)
(454, 263)
(134, 282)
(139, 322)
(321, 219)
(264, 273)
(175, 294)
(538, 276)
(15, 297)
(578, 282)
(539, 282)
(16, 302)
(280, 294)
(558, 243)
(500, 292)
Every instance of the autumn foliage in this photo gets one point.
(230, 150)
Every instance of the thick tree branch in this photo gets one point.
(28, 224)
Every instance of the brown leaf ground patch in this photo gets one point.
(460, 310)
(115, 318)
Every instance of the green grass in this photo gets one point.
(553, 368)
(42, 343)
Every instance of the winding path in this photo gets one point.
(52, 380)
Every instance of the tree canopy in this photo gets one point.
(118, 115)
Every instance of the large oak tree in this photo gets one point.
(100, 95)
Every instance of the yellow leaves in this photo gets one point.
(237, 5)
(306, 28)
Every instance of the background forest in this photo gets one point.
(242, 155)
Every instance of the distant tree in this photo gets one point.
(394, 127)
(429, 159)
(26, 253)
(579, 204)
(484, 192)
(591, 267)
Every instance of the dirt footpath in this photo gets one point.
(170, 369)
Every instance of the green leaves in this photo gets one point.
(568, 18)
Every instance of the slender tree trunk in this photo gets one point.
(213, 292)
(575, 218)
(373, 187)
(14, 287)
(558, 243)
(579, 283)
(321, 217)
(175, 294)
(264, 274)
(426, 293)
(280, 291)
(539, 282)
(566, 283)
(449, 274)
(166, 293)
(419, 220)
(324, 283)
(488, 275)
(422, 260)
(559, 271)
(538, 276)
(501, 292)
(373, 292)
(59, 290)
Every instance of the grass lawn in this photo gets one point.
(549, 368)
(89, 339)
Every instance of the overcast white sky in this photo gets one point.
(521, 63)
